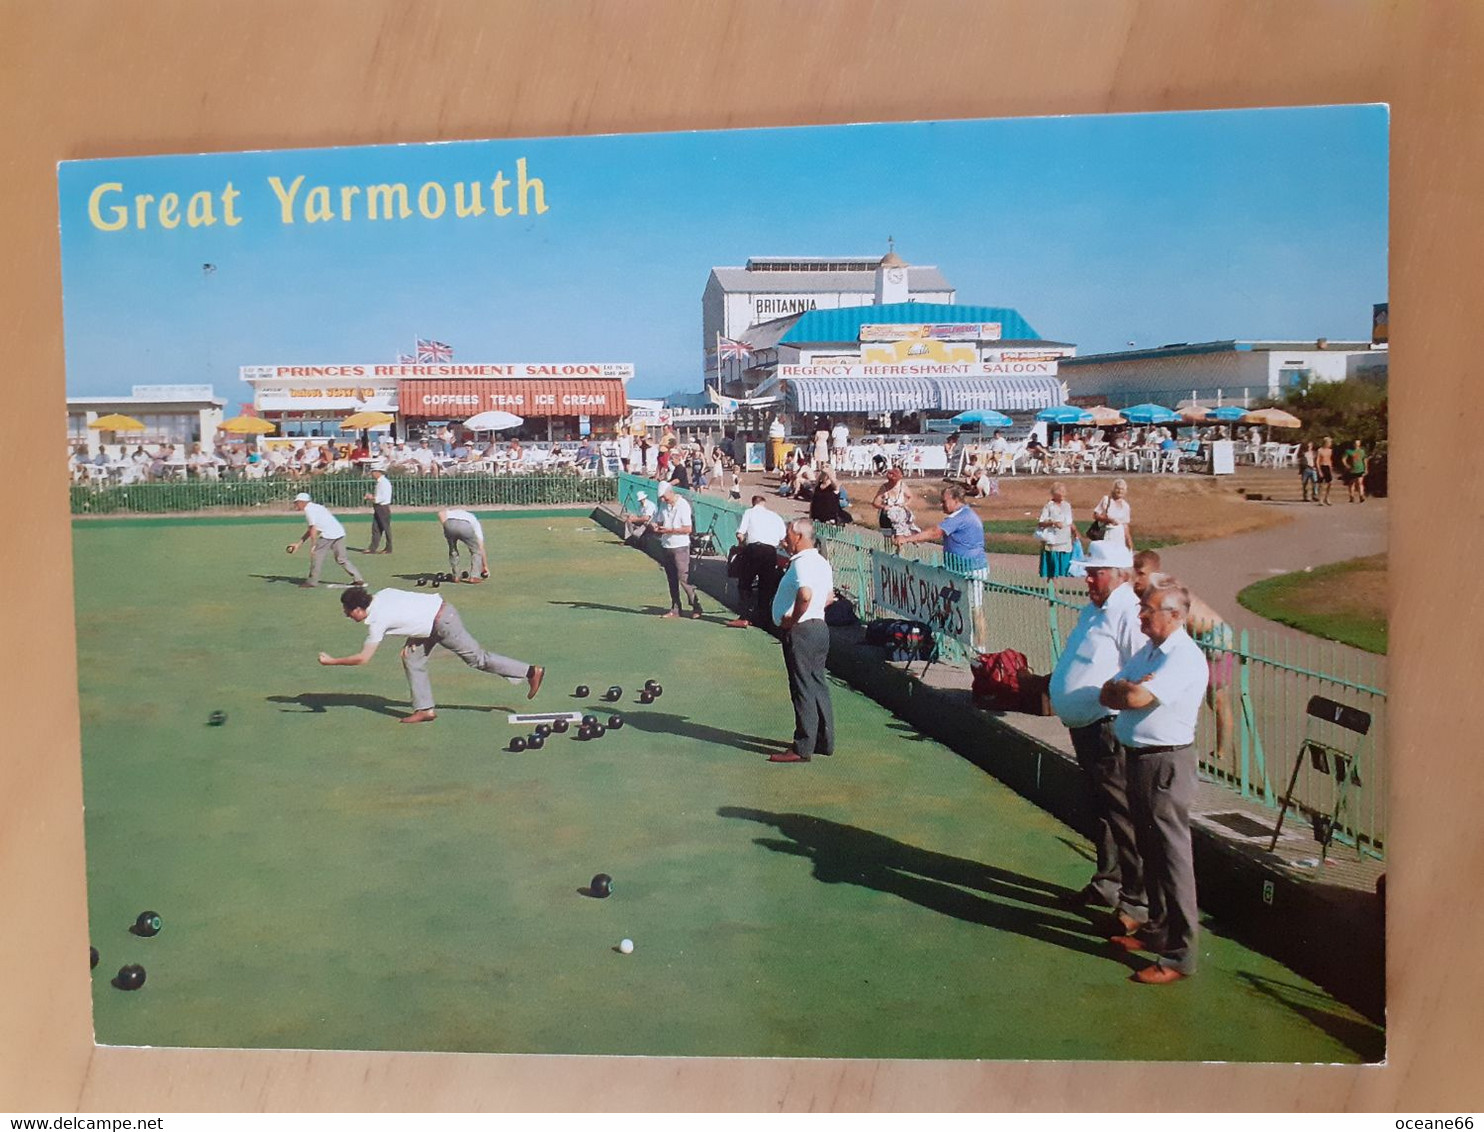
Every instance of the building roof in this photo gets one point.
(1227, 345)
(844, 324)
(908, 394)
(741, 280)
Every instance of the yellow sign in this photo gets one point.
(916, 350)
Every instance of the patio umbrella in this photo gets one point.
(1273, 418)
(117, 422)
(1227, 413)
(247, 425)
(494, 420)
(1102, 415)
(991, 417)
(1065, 415)
(367, 419)
(1195, 414)
(1149, 414)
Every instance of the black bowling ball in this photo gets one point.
(130, 977)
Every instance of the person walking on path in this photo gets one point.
(1105, 638)
(1157, 695)
(462, 527)
(1114, 513)
(1324, 463)
(674, 525)
(1353, 468)
(798, 609)
(425, 620)
(326, 536)
(381, 512)
(1308, 473)
(759, 535)
(1056, 530)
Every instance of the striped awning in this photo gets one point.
(909, 394)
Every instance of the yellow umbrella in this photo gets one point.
(1194, 414)
(1273, 418)
(367, 419)
(1103, 415)
(117, 422)
(247, 425)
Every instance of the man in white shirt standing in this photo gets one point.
(1158, 696)
(425, 620)
(674, 524)
(1105, 638)
(756, 564)
(381, 512)
(798, 608)
(462, 527)
(328, 537)
(839, 442)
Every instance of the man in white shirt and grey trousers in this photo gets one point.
(425, 620)
(381, 512)
(462, 527)
(329, 538)
(1105, 638)
(798, 610)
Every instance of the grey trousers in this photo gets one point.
(1119, 880)
(1161, 788)
(449, 631)
(335, 546)
(806, 648)
(676, 562)
(458, 531)
(381, 524)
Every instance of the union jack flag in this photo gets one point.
(431, 351)
(728, 348)
(406, 359)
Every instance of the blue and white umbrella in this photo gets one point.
(991, 417)
(1226, 413)
(1149, 414)
(1065, 415)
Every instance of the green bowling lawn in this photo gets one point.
(331, 879)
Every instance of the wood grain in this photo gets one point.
(96, 78)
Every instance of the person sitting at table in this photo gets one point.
(513, 451)
(950, 446)
(978, 482)
(805, 481)
(1036, 451)
(825, 506)
(422, 457)
(324, 459)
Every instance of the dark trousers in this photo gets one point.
(806, 648)
(1161, 788)
(1119, 880)
(757, 582)
(381, 524)
(676, 562)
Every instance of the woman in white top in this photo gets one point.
(1114, 513)
(1055, 530)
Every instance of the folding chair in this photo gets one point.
(1328, 759)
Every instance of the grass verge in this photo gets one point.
(1344, 601)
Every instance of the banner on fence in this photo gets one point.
(920, 592)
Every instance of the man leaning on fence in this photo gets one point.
(1157, 695)
(755, 564)
(1105, 638)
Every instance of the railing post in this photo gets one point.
(1053, 625)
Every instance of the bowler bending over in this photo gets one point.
(425, 620)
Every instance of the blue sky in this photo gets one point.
(1100, 230)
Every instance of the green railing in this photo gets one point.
(341, 490)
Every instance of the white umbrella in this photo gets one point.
(495, 420)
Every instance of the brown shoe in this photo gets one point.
(788, 756)
(1157, 976)
(1129, 942)
(1130, 925)
(425, 715)
(739, 623)
(533, 679)
(672, 613)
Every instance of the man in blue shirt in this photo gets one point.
(962, 532)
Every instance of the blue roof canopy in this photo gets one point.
(844, 324)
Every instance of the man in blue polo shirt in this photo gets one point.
(962, 532)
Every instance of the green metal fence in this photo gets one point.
(341, 490)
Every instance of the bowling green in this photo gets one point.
(328, 878)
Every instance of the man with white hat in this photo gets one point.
(637, 522)
(1106, 636)
(326, 535)
(674, 524)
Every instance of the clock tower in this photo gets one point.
(891, 278)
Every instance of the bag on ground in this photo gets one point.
(1003, 681)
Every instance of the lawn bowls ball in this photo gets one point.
(589, 721)
(422, 581)
(560, 725)
(217, 718)
(543, 730)
(535, 742)
(92, 957)
(599, 731)
(130, 977)
(646, 697)
(651, 685)
(584, 732)
(437, 582)
(601, 886)
(582, 690)
(615, 722)
(626, 946)
(614, 694)
(657, 691)
(517, 744)
(147, 924)
(464, 576)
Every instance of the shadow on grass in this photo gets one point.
(1365, 1038)
(668, 723)
(954, 886)
(643, 610)
(318, 703)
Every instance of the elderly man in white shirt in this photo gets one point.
(381, 512)
(462, 528)
(798, 608)
(674, 524)
(328, 537)
(1158, 696)
(425, 620)
(638, 521)
(755, 563)
(1105, 638)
